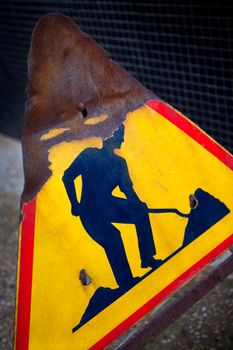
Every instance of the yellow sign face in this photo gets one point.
(119, 225)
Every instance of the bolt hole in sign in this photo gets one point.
(121, 205)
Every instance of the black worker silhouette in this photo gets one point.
(206, 211)
(102, 171)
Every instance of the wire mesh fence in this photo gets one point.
(182, 51)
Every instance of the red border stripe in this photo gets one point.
(25, 276)
(120, 329)
(192, 130)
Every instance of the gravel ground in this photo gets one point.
(208, 325)
(11, 184)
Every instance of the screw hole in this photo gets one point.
(193, 202)
(82, 109)
(84, 113)
(84, 278)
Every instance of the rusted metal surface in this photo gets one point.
(170, 313)
(68, 72)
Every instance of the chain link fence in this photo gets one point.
(182, 51)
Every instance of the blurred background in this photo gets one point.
(182, 51)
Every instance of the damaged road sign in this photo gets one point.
(125, 199)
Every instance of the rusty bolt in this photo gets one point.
(84, 278)
(193, 202)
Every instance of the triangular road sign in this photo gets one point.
(129, 209)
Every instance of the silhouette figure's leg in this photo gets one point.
(107, 235)
(136, 213)
(144, 233)
(117, 258)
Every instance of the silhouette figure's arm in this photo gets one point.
(68, 178)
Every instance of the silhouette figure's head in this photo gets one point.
(116, 140)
